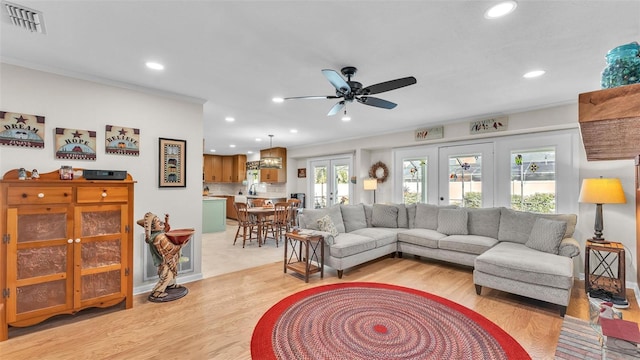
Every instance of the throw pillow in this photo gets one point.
(353, 217)
(453, 221)
(515, 226)
(325, 224)
(384, 216)
(484, 222)
(546, 235)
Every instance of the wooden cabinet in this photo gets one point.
(228, 169)
(274, 175)
(212, 168)
(67, 245)
(231, 208)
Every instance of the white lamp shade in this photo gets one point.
(602, 191)
(370, 184)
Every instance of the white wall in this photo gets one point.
(619, 220)
(78, 104)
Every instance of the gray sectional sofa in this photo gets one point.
(523, 253)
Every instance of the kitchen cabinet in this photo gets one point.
(212, 168)
(274, 175)
(214, 214)
(225, 169)
(231, 208)
(67, 245)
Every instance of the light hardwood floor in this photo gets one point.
(216, 319)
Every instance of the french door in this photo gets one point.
(330, 182)
(466, 175)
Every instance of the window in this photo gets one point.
(533, 180)
(414, 186)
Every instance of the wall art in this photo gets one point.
(173, 163)
(122, 140)
(21, 130)
(489, 125)
(74, 144)
(429, 133)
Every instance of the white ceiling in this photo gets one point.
(235, 56)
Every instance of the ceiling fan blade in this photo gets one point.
(337, 81)
(336, 108)
(374, 101)
(389, 85)
(312, 97)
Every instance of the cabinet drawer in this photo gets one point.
(35, 195)
(102, 194)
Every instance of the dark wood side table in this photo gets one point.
(601, 273)
(309, 262)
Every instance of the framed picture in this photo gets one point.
(302, 173)
(173, 163)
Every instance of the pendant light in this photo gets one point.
(271, 162)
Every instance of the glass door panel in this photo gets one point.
(414, 181)
(341, 184)
(330, 183)
(466, 175)
(320, 186)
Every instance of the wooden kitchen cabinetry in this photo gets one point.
(212, 168)
(224, 169)
(274, 175)
(231, 208)
(67, 245)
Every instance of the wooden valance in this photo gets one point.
(610, 122)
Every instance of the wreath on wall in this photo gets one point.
(373, 172)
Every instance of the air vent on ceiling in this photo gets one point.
(24, 17)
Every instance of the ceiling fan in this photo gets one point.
(348, 90)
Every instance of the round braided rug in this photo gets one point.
(377, 321)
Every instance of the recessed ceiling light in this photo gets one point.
(249, 152)
(212, 150)
(232, 146)
(154, 65)
(533, 74)
(277, 100)
(500, 9)
(229, 119)
(258, 139)
(293, 131)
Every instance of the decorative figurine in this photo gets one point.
(22, 174)
(35, 174)
(165, 246)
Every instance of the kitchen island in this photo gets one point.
(214, 214)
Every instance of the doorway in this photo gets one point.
(329, 184)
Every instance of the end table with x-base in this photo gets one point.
(608, 268)
(309, 262)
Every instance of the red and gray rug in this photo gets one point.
(377, 321)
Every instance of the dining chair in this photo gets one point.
(245, 222)
(294, 207)
(279, 224)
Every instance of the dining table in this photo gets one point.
(261, 213)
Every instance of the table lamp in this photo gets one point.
(601, 191)
(371, 184)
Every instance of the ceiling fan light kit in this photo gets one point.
(349, 90)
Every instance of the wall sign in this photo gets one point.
(122, 140)
(173, 163)
(429, 133)
(73, 144)
(489, 125)
(22, 130)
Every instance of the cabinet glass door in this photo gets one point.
(40, 244)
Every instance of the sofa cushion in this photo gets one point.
(423, 237)
(368, 213)
(351, 244)
(411, 215)
(427, 215)
(484, 222)
(325, 224)
(570, 219)
(515, 226)
(379, 235)
(453, 221)
(472, 244)
(546, 235)
(403, 218)
(521, 263)
(353, 217)
(309, 218)
(384, 216)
